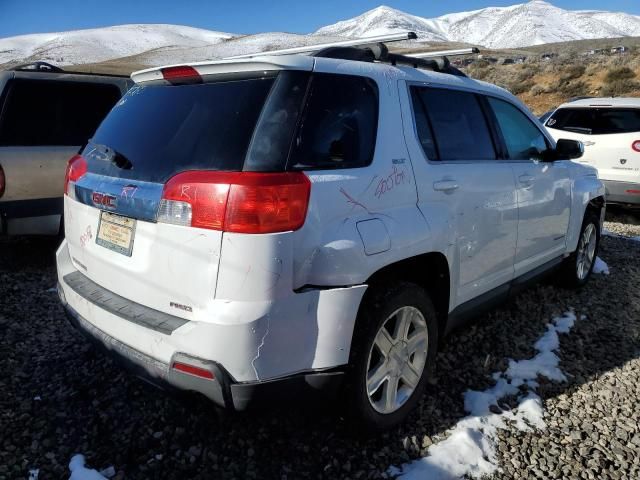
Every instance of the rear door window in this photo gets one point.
(451, 125)
(596, 121)
(523, 139)
(339, 125)
(54, 113)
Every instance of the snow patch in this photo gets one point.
(469, 449)
(80, 472)
(601, 267)
(33, 474)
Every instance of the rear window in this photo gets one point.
(54, 113)
(157, 130)
(339, 124)
(596, 121)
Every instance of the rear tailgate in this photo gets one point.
(160, 271)
(609, 135)
(155, 132)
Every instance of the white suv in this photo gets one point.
(609, 128)
(240, 228)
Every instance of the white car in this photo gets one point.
(609, 128)
(249, 228)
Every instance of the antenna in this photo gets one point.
(447, 53)
(359, 42)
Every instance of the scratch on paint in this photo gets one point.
(277, 274)
(356, 203)
(85, 237)
(244, 280)
(253, 362)
(370, 183)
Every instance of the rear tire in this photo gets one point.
(393, 353)
(578, 266)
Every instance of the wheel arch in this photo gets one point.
(429, 270)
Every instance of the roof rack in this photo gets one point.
(374, 49)
(37, 67)
(44, 67)
(447, 53)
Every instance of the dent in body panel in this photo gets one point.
(315, 328)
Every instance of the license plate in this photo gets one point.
(116, 233)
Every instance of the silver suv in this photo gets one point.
(46, 115)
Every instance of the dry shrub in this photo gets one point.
(537, 90)
(617, 88)
(572, 72)
(619, 74)
(577, 88)
(518, 88)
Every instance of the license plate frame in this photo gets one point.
(116, 233)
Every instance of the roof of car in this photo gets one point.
(604, 102)
(309, 63)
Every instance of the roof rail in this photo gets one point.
(37, 67)
(380, 53)
(447, 53)
(359, 42)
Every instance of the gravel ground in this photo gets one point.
(58, 396)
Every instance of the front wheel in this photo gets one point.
(393, 354)
(579, 265)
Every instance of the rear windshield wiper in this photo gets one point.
(106, 154)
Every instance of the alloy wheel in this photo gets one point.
(586, 251)
(397, 359)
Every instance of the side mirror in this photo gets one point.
(569, 149)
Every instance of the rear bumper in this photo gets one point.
(222, 389)
(619, 192)
(289, 345)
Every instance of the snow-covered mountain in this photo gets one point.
(532, 23)
(100, 44)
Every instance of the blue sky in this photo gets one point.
(235, 16)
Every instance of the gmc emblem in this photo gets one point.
(104, 200)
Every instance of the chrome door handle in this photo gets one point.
(445, 185)
(526, 179)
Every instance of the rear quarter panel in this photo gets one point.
(361, 220)
(585, 187)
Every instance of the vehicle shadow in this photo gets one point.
(617, 213)
(89, 404)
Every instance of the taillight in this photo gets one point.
(636, 145)
(181, 74)
(193, 370)
(76, 168)
(241, 202)
(3, 181)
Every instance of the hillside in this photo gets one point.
(514, 27)
(101, 44)
(544, 84)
